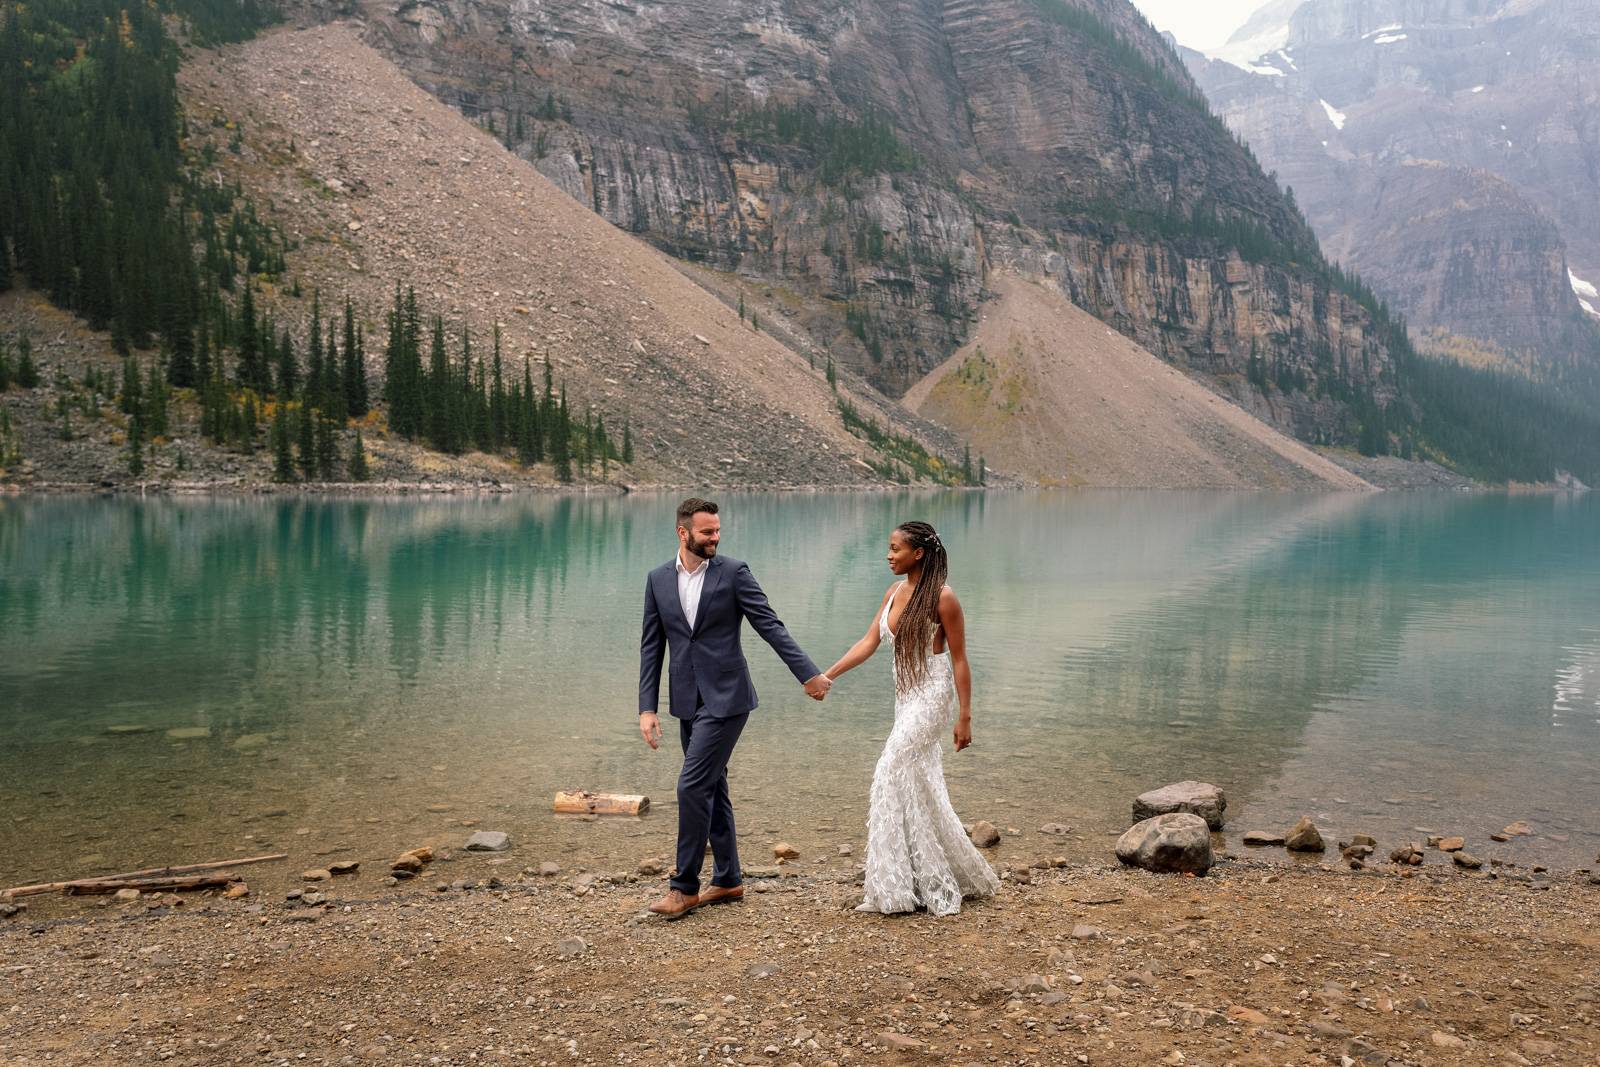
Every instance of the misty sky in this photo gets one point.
(1199, 24)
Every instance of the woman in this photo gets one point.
(917, 854)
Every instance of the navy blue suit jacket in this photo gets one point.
(708, 666)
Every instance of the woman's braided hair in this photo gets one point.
(920, 618)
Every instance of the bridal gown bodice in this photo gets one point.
(917, 853)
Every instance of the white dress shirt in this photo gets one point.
(690, 582)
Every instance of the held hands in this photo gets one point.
(817, 688)
(963, 733)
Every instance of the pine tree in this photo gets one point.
(354, 372)
(439, 394)
(627, 442)
(833, 376)
(288, 368)
(131, 399)
(27, 374)
(561, 438)
(359, 471)
(327, 449)
(282, 456)
(497, 396)
(249, 421)
(307, 443)
(155, 403)
(315, 370)
(333, 381)
(249, 339)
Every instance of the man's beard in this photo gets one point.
(701, 549)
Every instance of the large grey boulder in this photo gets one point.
(1196, 798)
(1177, 842)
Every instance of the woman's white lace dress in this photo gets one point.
(917, 853)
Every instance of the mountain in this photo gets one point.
(872, 164)
(1068, 401)
(1448, 152)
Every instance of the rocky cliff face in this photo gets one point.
(1448, 151)
(870, 162)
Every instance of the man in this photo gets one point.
(695, 605)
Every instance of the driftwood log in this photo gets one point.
(587, 802)
(149, 872)
(188, 883)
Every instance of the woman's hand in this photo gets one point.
(963, 732)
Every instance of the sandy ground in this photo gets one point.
(1252, 965)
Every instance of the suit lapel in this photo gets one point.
(668, 592)
(713, 580)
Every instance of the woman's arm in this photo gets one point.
(955, 636)
(863, 649)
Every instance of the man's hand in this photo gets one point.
(650, 729)
(818, 687)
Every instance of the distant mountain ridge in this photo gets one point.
(1449, 152)
(873, 163)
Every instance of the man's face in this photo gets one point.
(700, 537)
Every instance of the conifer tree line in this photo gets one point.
(459, 399)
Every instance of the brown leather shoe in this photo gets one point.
(722, 894)
(675, 905)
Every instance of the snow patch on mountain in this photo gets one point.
(1335, 116)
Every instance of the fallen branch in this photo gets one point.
(587, 802)
(149, 872)
(102, 886)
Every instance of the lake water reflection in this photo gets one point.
(185, 680)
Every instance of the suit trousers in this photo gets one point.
(705, 810)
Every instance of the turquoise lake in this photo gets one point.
(192, 679)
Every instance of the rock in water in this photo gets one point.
(1304, 837)
(488, 841)
(1196, 798)
(1177, 842)
(1262, 837)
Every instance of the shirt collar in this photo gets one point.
(677, 559)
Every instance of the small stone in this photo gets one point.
(1517, 829)
(1055, 829)
(1249, 1016)
(1467, 860)
(984, 834)
(651, 867)
(127, 729)
(488, 841)
(900, 1042)
(189, 733)
(1536, 1046)
(438, 809)
(311, 900)
(236, 891)
(1304, 837)
(846, 850)
(785, 851)
(318, 875)
(761, 970)
(1260, 838)
(548, 869)
(1452, 844)
(1084, 932)
(344, 867)
(1329, 1029)
(568, 947)
(125, 896)
(1444, 1040)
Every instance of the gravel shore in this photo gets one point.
(1253, 965)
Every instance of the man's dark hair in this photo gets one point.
(688, 509)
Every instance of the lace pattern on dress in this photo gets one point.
(917, 853)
